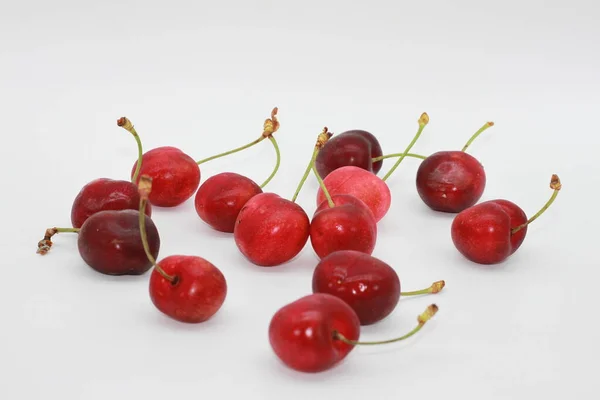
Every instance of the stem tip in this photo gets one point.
(555, 182)
(424, 120)
(271, 125)
(437, 286)
(428, 314)
(125, 123)
(323, 137)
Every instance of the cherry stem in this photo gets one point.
(394, 155)
(435, 287)
(556, 185)
(423, 121)
(144, 187)
(126, 124)
(483, 128)
(270, 126)
(422, 320)
(321, 183)
(277, 162)
(45, 244)
(321, 140)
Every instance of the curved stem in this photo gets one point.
(436, 287)
(45, 244)
(556, 186)
(128, 126)
(260, 139)
(305, 176)
(321, 183)
(483, 128)
(394, 155)
(143, 233)
(423, 121)
(277, 162)
(422, 319)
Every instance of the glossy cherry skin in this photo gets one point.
(340, 199)
(367, 284)
(364, 185)
(110, 242)
(175, 175)
(221, 197)
(104, 194)
(343, 227)
(450, 181)
(482, 233)
(356, 147)
(271, 230)
(301, 333)
(198, 293)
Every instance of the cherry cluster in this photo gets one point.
(350, 287)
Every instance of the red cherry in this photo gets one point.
(356, 147)
(318, 331)
(196, 292)
(271, 230)
(110, 242)
(175, 175)
(186, 288)
(104, 194)
(367, 284)
(491, 231)
(221, 197)
(340, 199)
(451, 181)
(362, 184)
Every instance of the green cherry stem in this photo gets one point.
(423, 121)
(435, 287)
(556, 185)
(277, 162)
(321, 140)
(270, 126)
(394, 155)
(476, 134)
(321, 183)
(144, 188)
(422, 320)
(126, 124)
(45, 244)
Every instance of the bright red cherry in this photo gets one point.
(342, 227)
(451, 181)
(316, 332)
(367, 284)
(110, 242)
(186, 288)
(491, 231)
(356, 147)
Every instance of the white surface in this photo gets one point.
(203, 77)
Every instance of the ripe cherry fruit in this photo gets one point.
(365, 185)
(316, 332)
(356, 147)
(491, 231)
(186, 288)
(220, 198)
(451, 181)
(368, 285)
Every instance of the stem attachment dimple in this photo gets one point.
(422, 320)
(45, 244)
(483, 128)
(555, 185)
(144, 188)
(435, 287)
(423, 121)
(126, 124)
(323, 137)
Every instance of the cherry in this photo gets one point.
(220, 198)
(347, 226)
(491, 231)
(108, 194)
(186, 288)
(271, 230)
(365, 185)
(341, 199)
(451, 181)
(367, 284)
(355, 147)
(316, 332)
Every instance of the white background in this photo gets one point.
(203, 76)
